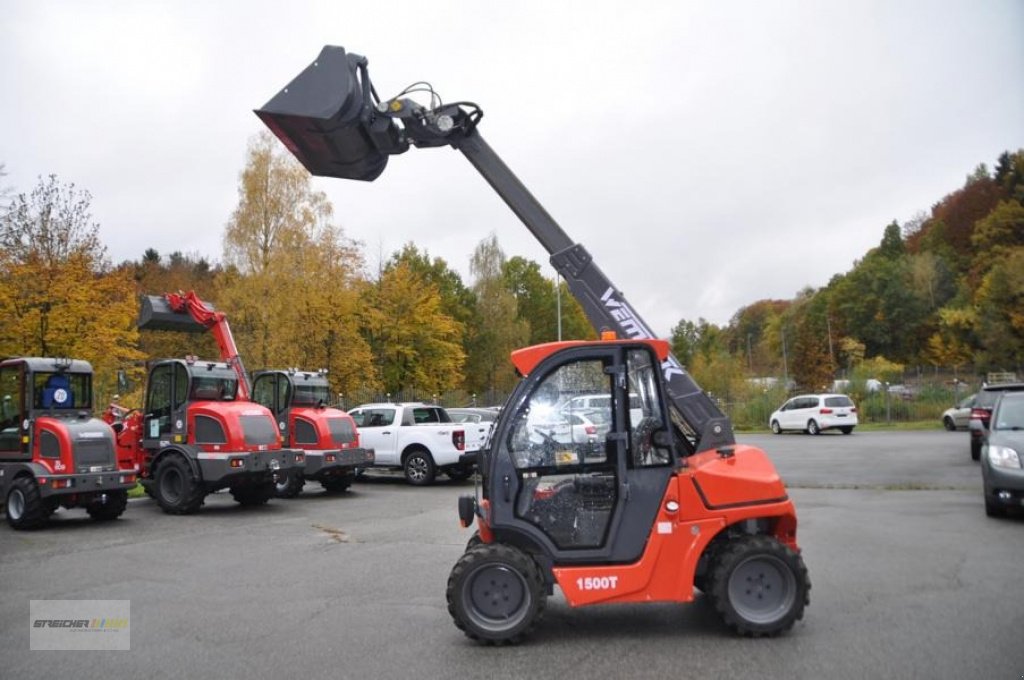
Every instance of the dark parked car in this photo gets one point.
(1001, 465)
(982, 411)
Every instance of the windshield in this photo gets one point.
(1011, 414)
(311, 395)
(213, 388)
(60, 390)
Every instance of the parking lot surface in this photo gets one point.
(910, 580)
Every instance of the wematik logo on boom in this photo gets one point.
(97, 625)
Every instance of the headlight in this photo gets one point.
(1001, 456)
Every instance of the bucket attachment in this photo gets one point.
(156, 315)
(326, 118)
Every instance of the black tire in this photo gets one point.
(418, 467)
(975, 449)
(847, 429)
(949, 424)
(289, 485)
(25, 507)
(459, 474)
(337, 484)
(759, 586)
(253, 494)
(112, 508)
(176, 490)
(776, 428)
(474, 541)
(812, 427)
(496, 594)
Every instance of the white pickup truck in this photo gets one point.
(419, 439)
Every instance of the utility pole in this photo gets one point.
(785, 361)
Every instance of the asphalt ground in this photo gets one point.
(910, 580)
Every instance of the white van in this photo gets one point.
(815, 413)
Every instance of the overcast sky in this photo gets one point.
(708, 154)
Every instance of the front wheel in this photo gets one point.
(496, 594)
(176, 490)
(813, 428)
(25, 507)
(419, 468)
(948, 423)
(776, 428)
(759, 586)
(105, 509)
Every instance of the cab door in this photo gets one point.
(273, 390)
(585, 500)
(166, 401)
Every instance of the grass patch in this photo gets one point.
(136, 491)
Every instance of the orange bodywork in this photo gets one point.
(527, 358)
(712, 493)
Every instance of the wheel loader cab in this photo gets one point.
(582, 495)
(173, 385)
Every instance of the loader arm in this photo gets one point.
(186, 312)
(330, 118)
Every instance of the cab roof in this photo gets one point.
(527, 358)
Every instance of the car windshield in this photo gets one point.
(1011, 414)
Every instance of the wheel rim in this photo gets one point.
(762, 589)
(775, 427)
(16, 504)
(497, 596)
(416, 468)
(283, 484)
(171, 485)
(812, 427)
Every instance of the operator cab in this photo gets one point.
(299, 401)
(585, 482)
(174, 384)
(33, 387)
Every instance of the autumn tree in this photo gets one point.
(292, 281)
(497, 328)
(59, 295)
(542, 306)
(457, 300)
(417, 346)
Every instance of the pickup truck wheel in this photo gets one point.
(289, 485)
(25, 507)
(176, 490)
(419, 467)
(111, 508)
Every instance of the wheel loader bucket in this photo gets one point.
(156, 315)
(326, 118)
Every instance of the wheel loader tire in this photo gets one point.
(176, 490)
(255, 494)
(419, 467)
(496, 594)
(112, 508)
(459, 474)
(812, 427)
(474, 541)
(337, 484)
(25, 507)
(759, 586)
(289, 485)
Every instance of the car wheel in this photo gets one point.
(847, 429)
(759, 586)
(948, 422)
(776, 428)
(812, 427)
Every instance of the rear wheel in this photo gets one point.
(289, 485)
(419, 468)
(759, 586)
(812, 427)
(25, 507)
(176, 490)
(337, 484)
(255, 494)
(496, 594)
(848, 429)
(108, 508)
(776, 428)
